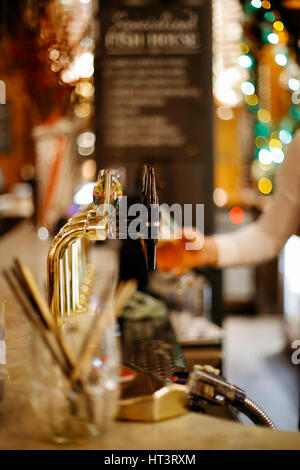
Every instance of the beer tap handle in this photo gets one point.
(150, 200)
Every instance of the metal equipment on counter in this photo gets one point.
(69, 273)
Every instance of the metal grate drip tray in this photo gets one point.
(152, 346)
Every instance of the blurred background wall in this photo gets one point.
(50, 143)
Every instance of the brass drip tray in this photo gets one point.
(148, 398)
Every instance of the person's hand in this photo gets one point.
(175, 255)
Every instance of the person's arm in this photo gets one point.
(258, 241)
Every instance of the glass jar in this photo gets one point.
(73, 412)
(189, 292)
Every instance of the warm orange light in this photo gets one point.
(82, 110)
(266, 4)
(236, 215)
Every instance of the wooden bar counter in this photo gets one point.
(19, 428)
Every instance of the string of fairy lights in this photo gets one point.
(263, 26)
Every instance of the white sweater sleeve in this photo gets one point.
(263, 239)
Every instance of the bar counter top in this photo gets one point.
(19, 428)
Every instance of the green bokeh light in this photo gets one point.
(261, 129)
(295, 112)
(269, 16)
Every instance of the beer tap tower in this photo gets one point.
(69, 271)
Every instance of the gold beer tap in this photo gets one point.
(69, 274)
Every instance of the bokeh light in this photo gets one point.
(84, 195)
(261, 129)
(251, 100)
(267, 5)
(244, 48)
(88, 169)
(220, 197)
(84, 65)
(285, 136)
(264, 115)
(275, 143)
(43, 233)
(270, 16)
(245, 61)
(247, 88)
(277, 155)
(261, 142)
(294, 84)
(264, 167)
(82, 110)
(27, 172)
(256, 3)
(236, 215)
(226, 84)
(295, 100)
(85, 89)
(86, 143)
(265, 156)
(278, 25)
(225, 113)
(273, 38)
(281, 59)
(86, 139)
(265, 186)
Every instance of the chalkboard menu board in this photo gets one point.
(154, 97)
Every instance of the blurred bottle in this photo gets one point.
(16, 147)
(45, 46)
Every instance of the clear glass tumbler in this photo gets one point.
(72, 412)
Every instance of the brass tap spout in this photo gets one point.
(67, 258)
(55, 256)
